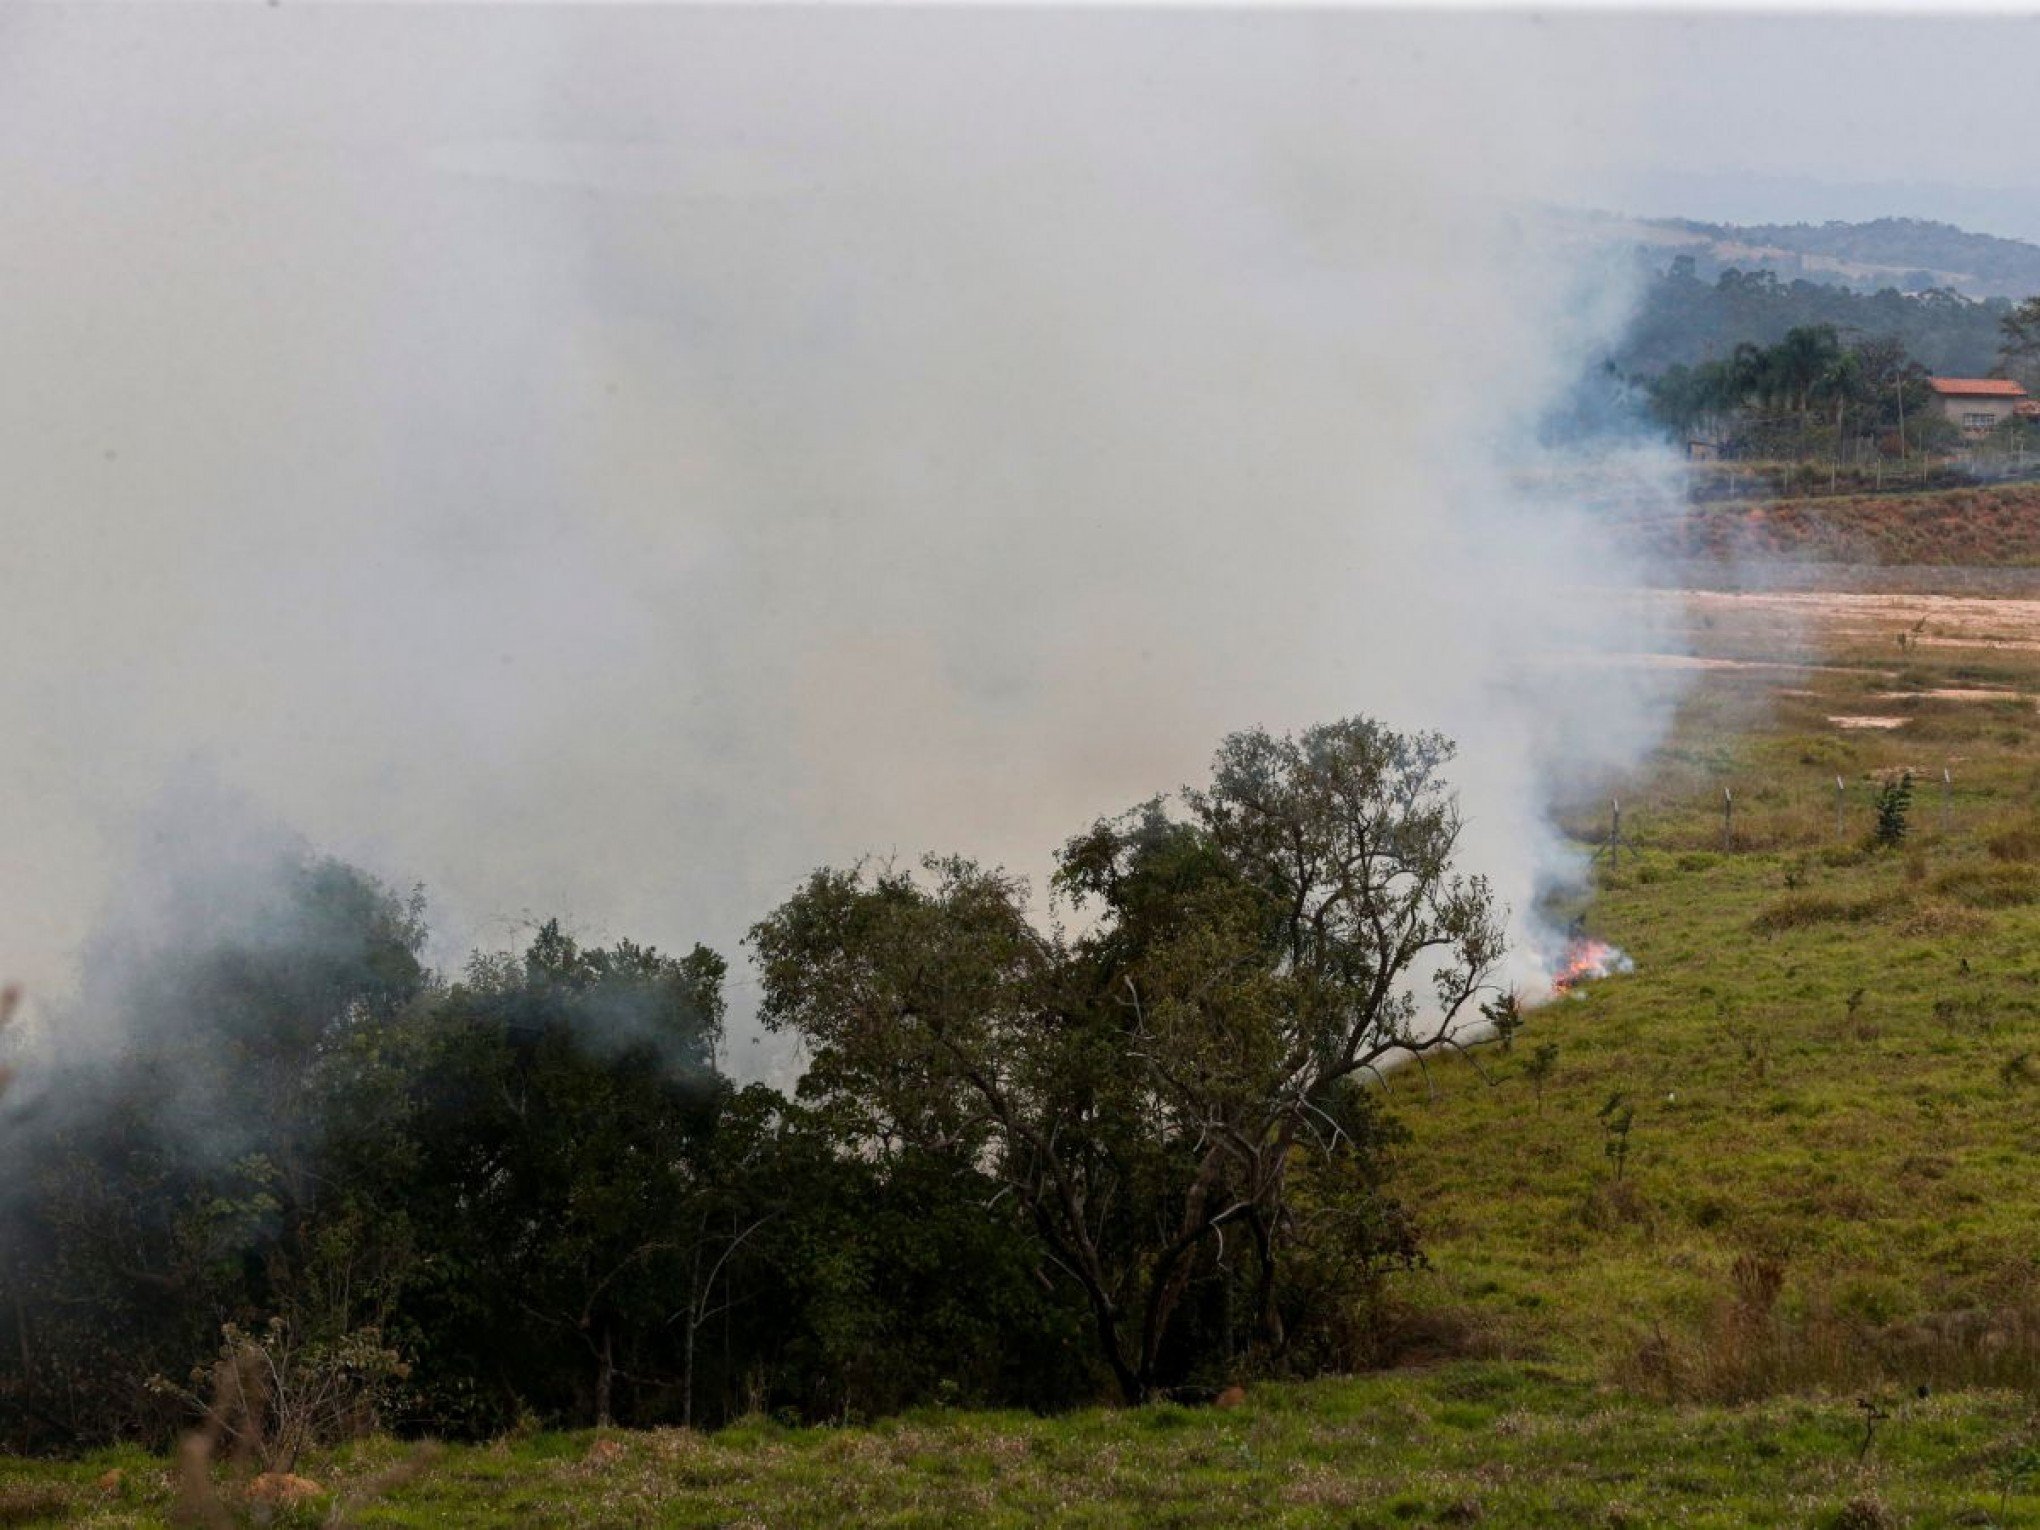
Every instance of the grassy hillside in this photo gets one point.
(1493, 1444)
(1833, 1056)
(1808, 1297)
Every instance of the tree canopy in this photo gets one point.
(1142, 1090)
(1025, 1164)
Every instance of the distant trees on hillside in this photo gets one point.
(1685, 321)
(1807, 396)
(2019, 354)
(1912, 244)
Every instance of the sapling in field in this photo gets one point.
(1538, 1068)
(1894, 804)
(1505, 1014)
(1617, 1116)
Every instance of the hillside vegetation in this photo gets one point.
(1907, 253)
(1832, 1051)
(1684, 319)
(1803, 1291)
(1971, 527)
(1468, 1443)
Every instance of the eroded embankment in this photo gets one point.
(1981, 527)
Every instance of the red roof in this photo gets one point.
(1977, 387)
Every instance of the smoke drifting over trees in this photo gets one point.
(604, 466)
(609, 463)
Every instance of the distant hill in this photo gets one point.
(1910, 254)
(1685, 318)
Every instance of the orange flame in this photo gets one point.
(1585, 959)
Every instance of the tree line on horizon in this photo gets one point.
(1022, 1168)
(1685, 320)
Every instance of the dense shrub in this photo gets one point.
(284, 1162)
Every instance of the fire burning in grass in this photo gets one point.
(1585, 959)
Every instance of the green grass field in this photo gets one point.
(1808, 1297)
(1462, 1443)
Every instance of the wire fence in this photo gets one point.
(1851, 811)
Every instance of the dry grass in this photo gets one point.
(1990, 887)
(1798, 910)
(1992, 526)
(1755, 1340)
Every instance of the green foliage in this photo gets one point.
(172, 1184)
(2020, 353)
(1918, 246)
(1509, 1443)
(1021, 1166)
(1142, 1092)
(1893, 805)
(1805, 396)
(1616, 1116)
(1685, 320)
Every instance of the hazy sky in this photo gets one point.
(1784, 118)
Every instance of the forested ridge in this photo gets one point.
(1685, 320)
(1912, 254)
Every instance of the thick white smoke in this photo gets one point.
(609, 462)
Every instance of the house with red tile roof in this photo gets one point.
(1978, 405)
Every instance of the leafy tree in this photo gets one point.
(1140, 1093)
(1803, 360)
(558, 1109)
(1684, 320)
(1894, 805)
(2020, 353)
(172, 1182)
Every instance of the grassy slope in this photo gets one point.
(1880, 1152)
(1875, 1159)
(1972, 526)
(1462, 1444)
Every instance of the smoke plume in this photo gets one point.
(609, 462)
